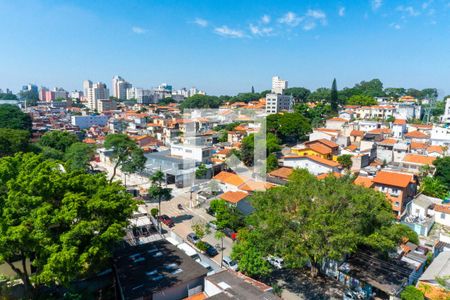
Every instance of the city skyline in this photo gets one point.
(226, 48)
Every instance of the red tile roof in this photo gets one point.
(229, 178)
(325, 175)
(363, 181)
(282, 172)
(419, 159)
(317, 159)
(357, 133)
(436, 148)
(233, 197)
(393, 179)
(442, 208)
(417, 135)
(400, 122)
(418, 145)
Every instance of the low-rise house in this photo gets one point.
(336, 123)
(238, 199)
(413, 163)
(442, 214)
(399, 128)
(232, 285)
(280, 175)
(419, 216)
(440, 136)
(356, 136)
(417, 136)
(436, 151)
(399, 188)
(435, 276)
(364, 181)
(322, 148)
(157, 270)
(314, 164)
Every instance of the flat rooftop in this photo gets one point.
(149, 268)
(237, 286)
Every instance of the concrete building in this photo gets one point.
(158, 271)
(119, 87)
(77, 95)
(84, 122)
(446, 117)
(278, 85)
(95, 92)
(106, 105)
(143, 96)
(276, 103)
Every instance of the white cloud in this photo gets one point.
(265, 19)
(408, 10)
(396, 26)
(201, 22)
(317, 15)
(260, 31)
(426, 4)
(228, 32)
(341, 11)
(376, 4)
(309, 26)
(290, 19)
(138, 30)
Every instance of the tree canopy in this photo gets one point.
(13, 118)
(314, 220)
(125, 154)
(248, 147)
(58, 140)
(300, 94)
(443, 170)
(66, 223)
(13, 140)
(288, 126)
(201, 101)
(78, 156)
(363, 100)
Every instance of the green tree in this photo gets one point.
(395, 93)
(334, 101)
(12, 117)
(201, 101)
(362, 100)
(156, 190)
(372, 88)
(288, 126)
(219, 235)
(443, 170)
(58, 140)
(201, 171)
(411, 293)
(13, 140)
(271, 163)
(65, 223)
(226, 216)
(345, 160)
(125, 154)
(78, 156)
(248, 147)
(433, 187)
(7, 96)
(321, 94)
(300, 94)
(201, 229)
(316, 219)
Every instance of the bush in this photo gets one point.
(154, 212)
(201, 245)
(411, 293)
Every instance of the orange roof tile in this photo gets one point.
(89, 141)
(282, 172)
(338, 119)
(419, 159)
(328, 143)
(381, 131)
(363, 181)
(388, 141)
(416, 135)
(352, 147)
(233, 197)
(317, 159)
(224, 152)
(252, 186)
(418, 145)
(422, 126)
(229, 178)
(393, 179)
(325, 175)
(436, 148)
(442, 208)
(357, 133)
(399, 122)
(320, 148)
(199, 296)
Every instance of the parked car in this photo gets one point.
(210, 250)
(192, 237)
(212, 225)
(230, 233)
(229, 263)
(275, 261)
(167, 220)
(210, 212)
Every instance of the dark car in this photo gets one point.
(167, 220)
(210, 250)
(230, 233)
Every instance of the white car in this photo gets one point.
(229, 263)
(275, 261)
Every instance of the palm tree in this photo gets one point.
(219, 235)
(157, 191)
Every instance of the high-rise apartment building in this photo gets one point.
(94, 93)
(279, 85)
(119, 87)
(277, 101)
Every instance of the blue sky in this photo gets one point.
(225, 47)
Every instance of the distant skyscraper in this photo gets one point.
(31, 87)
(87, 84)
(42, 93)
(97, 91)
(119, 87)
(278, 85)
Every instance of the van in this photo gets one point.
(229, 263)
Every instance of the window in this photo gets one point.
(442, 216)
(396, 203)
